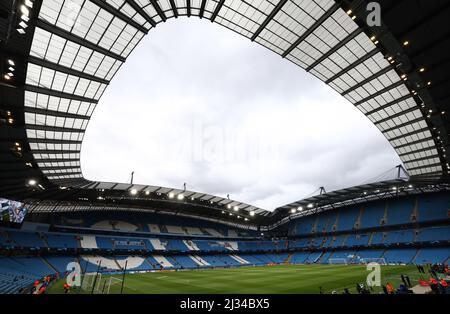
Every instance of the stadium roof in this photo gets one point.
(58, 57)
(355, 195)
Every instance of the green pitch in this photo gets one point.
(266, 279)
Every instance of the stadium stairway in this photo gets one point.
(415, 256)
(48, 264)
(78, 240)
(117, 263)
(288, 259)
(44, 240)
(319, 259)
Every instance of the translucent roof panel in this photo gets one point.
(78, 47)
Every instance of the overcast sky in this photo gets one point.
(200, 104)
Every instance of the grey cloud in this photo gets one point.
(187, 76)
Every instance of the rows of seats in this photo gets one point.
(154, 223)
(391, 256)
(59, 241)
(430, 234)
(25, 239)
(18, 272)
(401, 211)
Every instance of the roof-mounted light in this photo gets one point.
(133, 192)
(236, 208)
(180, 196)
(310, 205)
(32, 182)
(171, 195)
(293, 211)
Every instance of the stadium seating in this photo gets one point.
(372, 215)
(389, 230)
(432, 255)
(400, 256)
(433, 234)
(435, 207)
(18, 272)
(61, 241)
(26, 239)
(400, 211)
(347, 218)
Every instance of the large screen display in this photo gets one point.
(12, 211)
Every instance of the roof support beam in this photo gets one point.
(202, 8)
(54, 151)
(409, 134)
(158, 10)
(62, 174)
(51, 92)
(52, 141)
(389, 104)
(341, 44)
(398, 114)
(55, 113)
(310, 30)
(117, 13)
(57, 160)
(66, 70)
(174, 8)
(188, 8)
(367, 80)
(380, 92)
(423, 140)
(59, 167)
(139, 10)
(421, 159)
(424, 20)
(52, 128)
(361, 60)
(425, 166)
(398, 126)
(76, 39)
(427, 149)
(269, 18)
(217, 9)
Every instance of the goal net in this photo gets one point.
(337, 261)
(91, 282)
(112, 285)
(377, 260)
(98, 284)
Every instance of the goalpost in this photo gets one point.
(378, 260)
(96, 283)
(91, 282)
(110, 282)
(337, 261)
(356, 260)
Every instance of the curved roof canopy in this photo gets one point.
(396, 73)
